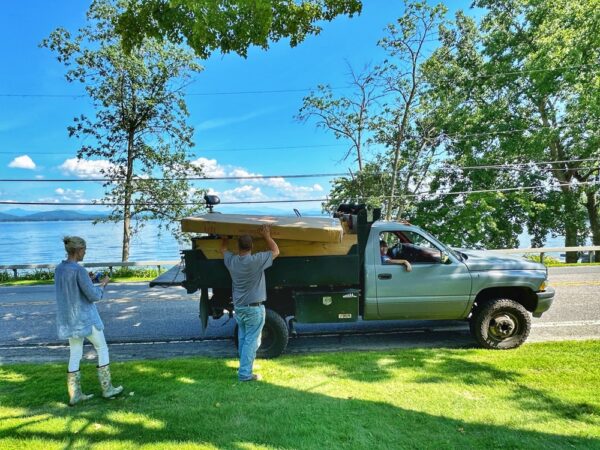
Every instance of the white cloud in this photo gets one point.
(244, 194)
(210, 167)
(83, 168)
(70, 194)
(22, 162)
(280, 184)
(278, 187)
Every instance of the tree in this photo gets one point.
(139, 124)
(348, 117)
(550, 44)
(518, 91)
(227, 25)
(384, 113)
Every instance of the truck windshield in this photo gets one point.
(437, 242)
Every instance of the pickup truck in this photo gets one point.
(496, 294)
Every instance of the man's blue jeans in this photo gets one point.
(250, 320)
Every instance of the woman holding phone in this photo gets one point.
(78, 319)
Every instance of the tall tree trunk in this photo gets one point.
(570, 221)
(127, 198)
(594, 215)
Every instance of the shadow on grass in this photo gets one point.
(445, 365)
(199, 402)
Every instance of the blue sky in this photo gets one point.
(235, 133)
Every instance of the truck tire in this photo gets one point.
(501, 324)
(274, 336)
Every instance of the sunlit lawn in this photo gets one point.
(539, 396)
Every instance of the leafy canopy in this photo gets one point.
(227, 25)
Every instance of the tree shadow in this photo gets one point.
(450, 364)
(200, 402)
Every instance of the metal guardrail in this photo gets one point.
(111, 265)
(541, 251)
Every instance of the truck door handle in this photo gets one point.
(385, 276)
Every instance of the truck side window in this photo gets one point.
(411, 246)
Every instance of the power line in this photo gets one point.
(291, 90)
(290, 147)
(230, 149)
(307, 200)
(246, 177)
(517, 130)
(290, 176)
(272, 91)
(190, 94)
(484, 191)
(516, 165)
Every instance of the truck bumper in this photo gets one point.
(545, 299)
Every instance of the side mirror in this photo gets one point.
(444, 258)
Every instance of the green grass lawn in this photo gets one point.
(538, 396)
(40, 282)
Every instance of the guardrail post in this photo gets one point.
(542, 257)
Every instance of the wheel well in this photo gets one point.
(522, 295)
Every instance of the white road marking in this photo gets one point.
(573, 323)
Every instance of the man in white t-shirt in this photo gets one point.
(249, 292)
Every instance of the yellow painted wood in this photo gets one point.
(312, 229)
(211, 247)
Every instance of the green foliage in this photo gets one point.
(139, 126)
(389, 134)
(36, 274)
(227, 25)
(538, 396)
(46, 275)
(135, 272)
(548, 260)
(516, 89)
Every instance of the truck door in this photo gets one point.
(434, 289)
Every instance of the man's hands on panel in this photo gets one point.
(265, 231)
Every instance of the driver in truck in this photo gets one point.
(249, 292)
(385, 259)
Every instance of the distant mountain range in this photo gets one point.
(21, 215)
(46, 216)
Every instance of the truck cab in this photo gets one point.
(437, 287)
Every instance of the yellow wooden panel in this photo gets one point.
(211, 247)
(312, 229)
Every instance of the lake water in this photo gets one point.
(41, 242)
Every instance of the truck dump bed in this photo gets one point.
(286, 272)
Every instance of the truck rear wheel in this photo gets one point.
(501, 324)
(274, 336)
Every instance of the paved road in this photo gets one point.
(163, 322)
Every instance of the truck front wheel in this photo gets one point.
(274, 336)
(501, 324)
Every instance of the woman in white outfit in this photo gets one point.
(77, 319)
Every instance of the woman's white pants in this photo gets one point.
(76, 347)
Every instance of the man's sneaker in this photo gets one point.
(254, 377)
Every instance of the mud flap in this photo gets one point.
(203, 314)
